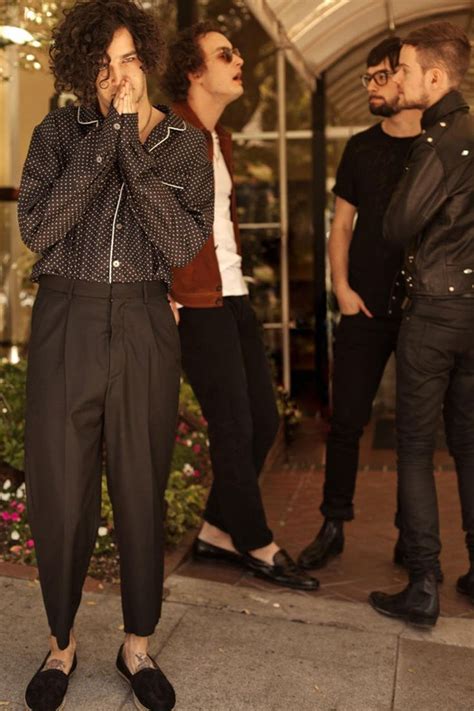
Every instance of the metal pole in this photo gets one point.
(283, 180)
(319, 221)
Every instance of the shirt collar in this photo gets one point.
(183, 109)
(453, 101)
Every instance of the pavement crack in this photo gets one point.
(395, 673)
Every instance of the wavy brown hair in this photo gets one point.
(81, 39)
(185, 56)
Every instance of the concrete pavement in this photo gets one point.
(228, 648)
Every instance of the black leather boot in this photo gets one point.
(465, 584)
(399, 558)
(418, 603)
(328, 543)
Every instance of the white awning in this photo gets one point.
(318, 33)
(335, 36)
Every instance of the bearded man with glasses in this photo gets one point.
(222, 350)
(368, 290)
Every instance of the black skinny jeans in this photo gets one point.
(224, 359)
(435, 364)
(362, 349)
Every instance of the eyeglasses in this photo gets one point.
(380, 78)
(228, 53)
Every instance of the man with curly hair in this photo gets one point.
(115, 193)
(222, 349)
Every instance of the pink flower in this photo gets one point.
(5, 516)
(30, 543)
(20, 508)
(15, 517)
(196, 473)
(13, 504)
(196, 448)
(16, 550)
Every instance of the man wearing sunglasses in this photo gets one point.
(222, 351)
(364, 274)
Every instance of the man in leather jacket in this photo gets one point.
(432, 215)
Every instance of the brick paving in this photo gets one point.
(292, 493)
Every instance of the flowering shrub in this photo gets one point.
(15, 534)
(289, 411)
(184, 496)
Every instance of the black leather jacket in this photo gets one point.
(431, 211)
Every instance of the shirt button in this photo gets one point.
(99, 159)
(116, 263)
(451, 288)
(117, 126)
(118, 226)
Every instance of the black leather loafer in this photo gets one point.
(47, 689)
(207, 551)
(151, 689)
(284, 571)
(465, 585)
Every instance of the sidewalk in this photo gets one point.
(229, 649)
(230, 642)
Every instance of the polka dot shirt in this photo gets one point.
(100, 206)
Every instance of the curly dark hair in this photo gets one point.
(184, 57)
(81, 39)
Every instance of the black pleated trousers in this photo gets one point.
(103, 368)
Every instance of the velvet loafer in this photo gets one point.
(284, 571)
(151, 689)
(47, 689)
(207, 551)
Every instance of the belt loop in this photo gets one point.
(145, 293)
(70, 290)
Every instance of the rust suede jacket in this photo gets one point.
(199, 283)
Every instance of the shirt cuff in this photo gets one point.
(130, 127)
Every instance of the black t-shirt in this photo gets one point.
(369, 170)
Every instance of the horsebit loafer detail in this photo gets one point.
(207, 551)
(47, 689)
(284, 571)
(151, 689)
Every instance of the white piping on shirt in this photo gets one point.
(85, 123)
(170, 128)
(113, 233)
(179, 187)
(171, 185)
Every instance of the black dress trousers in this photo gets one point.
(224, 359)
(103, 367)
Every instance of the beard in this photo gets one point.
(383, 109)
(422, 101)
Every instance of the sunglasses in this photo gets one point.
(380, 78)
(228, 53)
